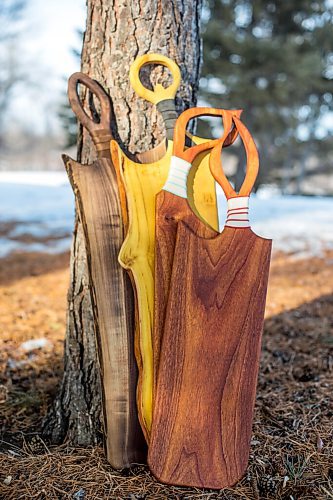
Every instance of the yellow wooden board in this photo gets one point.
(142, 183)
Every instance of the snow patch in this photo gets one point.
(43, 206)
(37, 178)
(31, 345)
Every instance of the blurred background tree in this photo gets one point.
(12, 71)
(274, 60)
(65, 113)
(68, 120)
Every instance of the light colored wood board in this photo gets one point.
(142, 183)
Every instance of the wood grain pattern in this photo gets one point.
(209, 359)
(142, 183)
(101, 202)
(211, 341)
(96, 192)
(170, 209)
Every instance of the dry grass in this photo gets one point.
(292, 444)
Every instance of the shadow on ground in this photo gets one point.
(292, 449)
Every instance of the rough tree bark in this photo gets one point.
(117, 32)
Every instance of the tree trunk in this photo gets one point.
(117, 32)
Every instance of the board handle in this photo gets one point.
(100, 131)
(180, 164)
(238, 203)
(163, 98)
(252, 163)
(180, 132)
(159, 93)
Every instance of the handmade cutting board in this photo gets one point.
(142, 182)
(163, 99)
(175, 203)
(99, 202)
(211, 344)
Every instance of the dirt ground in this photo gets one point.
(292, 444)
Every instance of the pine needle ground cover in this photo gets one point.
(292, 445)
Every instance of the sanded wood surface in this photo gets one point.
(95, 188)
(170, 209)
(161, 96)
(101, 202)
(99, 130)
(210, 348)
(204, 144)
(209, 359)
(142, 182)
(159, 92)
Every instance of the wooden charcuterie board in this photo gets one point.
(209, 359)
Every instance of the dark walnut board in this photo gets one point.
(98, 202)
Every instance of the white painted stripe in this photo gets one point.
(177, 176)
(238, 202)
(238, 212)
(177, 179)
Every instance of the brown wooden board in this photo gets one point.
(209, 357)
(170, 209)
(97, 199)
(102, 212)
